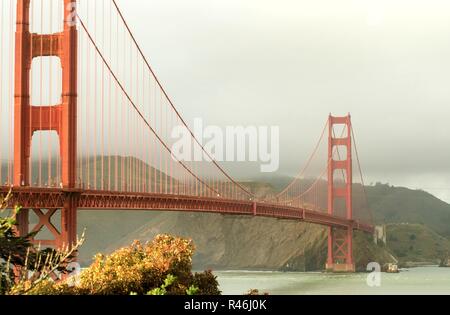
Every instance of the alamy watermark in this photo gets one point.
(258, 144)
(373, 279)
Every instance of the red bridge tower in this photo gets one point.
(49, 117)
(340, 241)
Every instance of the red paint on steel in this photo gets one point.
(340, 241)
(54, 198)
(61, 118)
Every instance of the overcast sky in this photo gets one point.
(290, 63)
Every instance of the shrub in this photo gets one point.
(207, 283)
(163, 289)
(49, 287)
(161, 267)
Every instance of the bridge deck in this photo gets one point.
(53, 198)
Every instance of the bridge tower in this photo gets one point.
(61, 118)
(340, 241)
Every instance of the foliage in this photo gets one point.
(48, 264)
(163, 289)
(161, 267)
(207, 283)
(140, 268)
(192, 290)
(416, 243)
(13, 249)
(396, 205)
(50, 287)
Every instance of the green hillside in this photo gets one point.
(401, 205)
(416, 243)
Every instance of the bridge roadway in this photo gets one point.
(55, 198)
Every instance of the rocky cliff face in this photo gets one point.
(225, 242)
(237, 243)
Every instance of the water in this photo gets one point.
(424, 280)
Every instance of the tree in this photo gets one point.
(19, 257)
(14, 250)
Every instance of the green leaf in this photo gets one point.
(192, 290)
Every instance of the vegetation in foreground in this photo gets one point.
(161, 267)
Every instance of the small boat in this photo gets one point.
(392, 268)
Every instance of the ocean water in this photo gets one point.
(415, 281)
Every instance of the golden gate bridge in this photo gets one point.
(86, 125)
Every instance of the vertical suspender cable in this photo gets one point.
(116, 102)
(129, 132)
(88, 102)
(10, 88)
(165, 160)
(154, 139)
(138, 162)
(41, 99)
(109, 134)
(50, 103)
(95, 155)
(160, 151)
(102, 104)
(80, 109)
(143, 146)
(2, 31)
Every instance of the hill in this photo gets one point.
(401, 205)
(416, 243)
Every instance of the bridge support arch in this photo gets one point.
(340, 241)
(61, 117)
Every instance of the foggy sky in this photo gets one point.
(290, 63)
